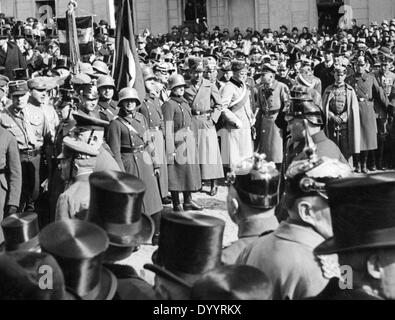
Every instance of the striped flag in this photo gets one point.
(84, 33)
(127, 70)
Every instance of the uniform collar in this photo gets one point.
(300, 234)
(33, 101)
(256, 225)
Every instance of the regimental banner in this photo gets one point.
(84, 33)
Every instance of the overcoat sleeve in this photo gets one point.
(114, 141)
(15, 172)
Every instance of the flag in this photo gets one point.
(84, 33)
(127, 70)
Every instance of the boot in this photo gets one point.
(380, 156)
(357, 163)
(214, 189)
(364, 161)
(156, 218)
(175, 198)
(189, 204)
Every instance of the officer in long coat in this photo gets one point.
(151, 110)
(181, 147)
(10, 176)
(205, 102)
(367, 89)
(127, 137)
(273, 97)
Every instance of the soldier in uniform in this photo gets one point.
(89, 101)
(151, 110)
(238, 118)
(162, 73)
(181, 147)
(128, 137)
(251, 200)
(205, 103)
(386, 79)
(28, 124)
(283, 76)
(367, 90)
(340, 105)
(272, 97)
(361, 237)
(107, 106)
(10, 176)
(286, 255)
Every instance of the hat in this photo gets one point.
(87, 69)
(340, 68)
(115, 205)
(189, 245)
(238, 65)
(100, 67)
(233, 282)
(20, 274)
(39, 83)
(21, 232)
(62, 64)
(81, 79)
(306, 178)
(31, 42)
(105, 81)
(304, 109)
(148, 74)
(176, 80)
(217, 28)
(129, 93)
(18, 88)
(21, 74)
(79, 246)
(72, 146)
(385, 54)
(361, 61)
(362, 212)
(284, 27)
(90, 92)
(267, 67)
(3, 33)
(256, 182)
(249, 29)
(195, 64)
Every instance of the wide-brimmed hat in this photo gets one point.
(362, 212)
(116, 204)
(189, 256)
(78, 247)
(21, 232)
(20, 274)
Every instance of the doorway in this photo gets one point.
(328, 14)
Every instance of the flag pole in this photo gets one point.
(72, 37)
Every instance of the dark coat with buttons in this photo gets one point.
(13, 59)
(151, 110)
(126, 133)
(181, 146)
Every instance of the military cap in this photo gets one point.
(3, 83)
(249, 29)
(195, 64)
(62, 64)
(79, 246)
(75, 146)
(238, 65)
(21, 232)
(304, 109)
(31, 42)
(339, 68)
(162, 67)
(30, 19)
(217, 28)
(226, 68)
(100, 67)
(282, 66)
(39, 83)
(81, 79)
(384, 23)
(18, 88)
(87, 69)
(236, 29)
(361, 61)
(362, 213)
(256, 182)
(3, 33)
(385, 52)
(226, 30)
(90, 92)
(20, 274)
(267, 67)
(308, 177)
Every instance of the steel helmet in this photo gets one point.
(100, 67)
(105, 81)
(129, 93)
(176, 80)
(148, 74)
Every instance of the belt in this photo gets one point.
(155, 128)
(200, 113)
(363, 100)
(270, 112)
(132, 150)
(30, 152)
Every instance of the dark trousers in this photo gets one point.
(30, 182)
(175, 197)
(340, 138)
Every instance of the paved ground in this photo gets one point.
(214, 206)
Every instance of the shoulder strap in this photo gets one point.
(241, 98)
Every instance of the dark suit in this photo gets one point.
(12, 59)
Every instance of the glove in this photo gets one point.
(9, 210)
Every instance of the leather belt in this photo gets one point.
(132, 150)
(270, 112)
(200, 113)
(155, 128)
(30, 152)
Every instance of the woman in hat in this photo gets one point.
(181, 146)
(127, 137)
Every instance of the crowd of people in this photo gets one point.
(299, 126)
